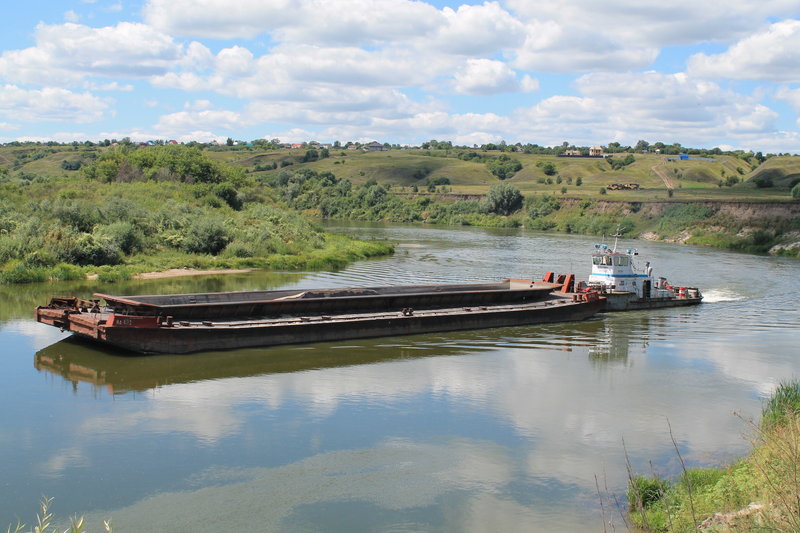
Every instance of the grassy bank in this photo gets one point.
(173, 209)
(758, 493)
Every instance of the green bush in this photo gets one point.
(543, 206)
(504, 199)
(65, 272)
(504, 167)
(796, 192)
(19, 272)
(97, 251)
(206, 236)
(123, 235)
(645, 491)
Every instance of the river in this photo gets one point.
(508, 429)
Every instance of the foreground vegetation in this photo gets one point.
(45, 522)
(758, 493)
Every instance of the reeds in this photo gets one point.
(45, 519)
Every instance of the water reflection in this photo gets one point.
(116, 371)
(398, 485)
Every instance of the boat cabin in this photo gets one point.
(618, 272)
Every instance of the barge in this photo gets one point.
(184, 323)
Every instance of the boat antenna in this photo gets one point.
(616, 236)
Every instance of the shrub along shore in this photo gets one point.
(190, 213)
(758, 493)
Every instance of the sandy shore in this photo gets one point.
(178, 272)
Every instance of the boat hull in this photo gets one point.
(184, 323)
(629, 301)
(195, 336)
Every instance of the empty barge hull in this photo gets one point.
(220, 321)
(225, 305)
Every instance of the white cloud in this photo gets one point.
(649, 105)
(71, 16)
(478, 30)
(111, 86)
(638, 24)
(235, 61)
(302, 21)
(487, 77)
(622, 107)
(358, 22)
(773, 55)
(51, 104)
(306, 73)
(219, 18)
(552, 47)
(65, 53)
(183, 121)
(585, 35)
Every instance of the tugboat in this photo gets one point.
(628, 286)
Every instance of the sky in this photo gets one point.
(713, 73)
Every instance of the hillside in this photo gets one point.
(655, 174)
(722, 201)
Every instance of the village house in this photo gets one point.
(374, 146)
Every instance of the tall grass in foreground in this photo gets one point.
(44, 522)
(758, 493)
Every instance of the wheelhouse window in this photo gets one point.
(622, 260)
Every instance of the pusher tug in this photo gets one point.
(628, 286)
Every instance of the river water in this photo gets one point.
(508, 429)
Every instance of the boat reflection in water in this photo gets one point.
(79, 361)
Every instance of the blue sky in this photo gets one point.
(716, 73)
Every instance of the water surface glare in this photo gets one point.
(491, 430)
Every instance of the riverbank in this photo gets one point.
(759, 492)
(755, 226)
(180, 272)
(125, 225)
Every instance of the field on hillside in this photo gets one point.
(404, 170)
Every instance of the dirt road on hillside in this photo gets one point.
(663, 173)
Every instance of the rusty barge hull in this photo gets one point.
(226, 305)
(312, 318)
